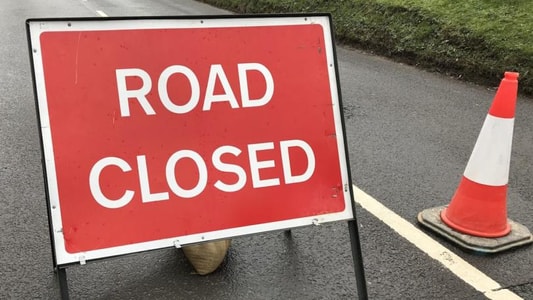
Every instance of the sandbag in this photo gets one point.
(206, 257)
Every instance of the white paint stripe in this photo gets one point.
(461, 268)
(491, 157)
(101, 13)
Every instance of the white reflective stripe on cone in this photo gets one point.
(491, 157)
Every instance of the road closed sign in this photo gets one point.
(160, 132)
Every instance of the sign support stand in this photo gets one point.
(357, 260)
(357, 257)
(63, 283)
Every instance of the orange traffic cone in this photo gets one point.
(476, 217)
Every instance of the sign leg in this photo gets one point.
(63, 283)
(357, 260)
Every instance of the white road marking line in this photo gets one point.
(101, 13)
(461, 268)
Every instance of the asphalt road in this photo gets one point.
(410, 134)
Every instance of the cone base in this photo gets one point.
(518, 236)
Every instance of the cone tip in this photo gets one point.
(511, 75)
(504, 102)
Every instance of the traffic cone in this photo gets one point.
(476, 217)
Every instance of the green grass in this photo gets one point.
(476, 40)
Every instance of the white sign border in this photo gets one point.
(38, 26)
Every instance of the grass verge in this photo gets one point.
(475, 40)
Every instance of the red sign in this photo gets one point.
(172, 131)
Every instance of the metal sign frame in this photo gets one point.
(61, 257)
